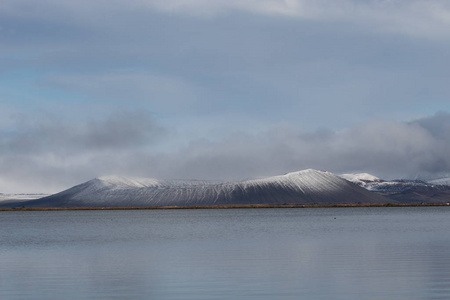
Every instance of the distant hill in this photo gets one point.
(303, 187)
(404, 190)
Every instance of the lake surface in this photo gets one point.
(304, 253)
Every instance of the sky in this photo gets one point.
(221, 90)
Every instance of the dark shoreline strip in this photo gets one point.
(223, 206)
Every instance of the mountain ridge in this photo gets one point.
(301, 187)
(404, 190)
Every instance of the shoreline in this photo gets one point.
(232, 206)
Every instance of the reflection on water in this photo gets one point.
(329, 253)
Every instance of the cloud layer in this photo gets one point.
(56, 155)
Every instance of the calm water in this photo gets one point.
(329, 253)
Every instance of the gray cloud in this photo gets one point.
(60, 155)
(438, 125)
(47, 151)
(50, 133)
(385, 148)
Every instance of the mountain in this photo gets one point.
(404, 190)
(364, 180)
(303, 187)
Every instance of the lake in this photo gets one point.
(297, 253)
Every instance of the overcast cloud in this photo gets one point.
(221, 89)
(56, 155)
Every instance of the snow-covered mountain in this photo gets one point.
(303, 187)
(404, 190)
(364, 180)
(373, 183)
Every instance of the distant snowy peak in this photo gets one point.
(396, 186)
(361, 179)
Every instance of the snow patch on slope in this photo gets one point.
(306, 180)
(135, 182)
(360, 177)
